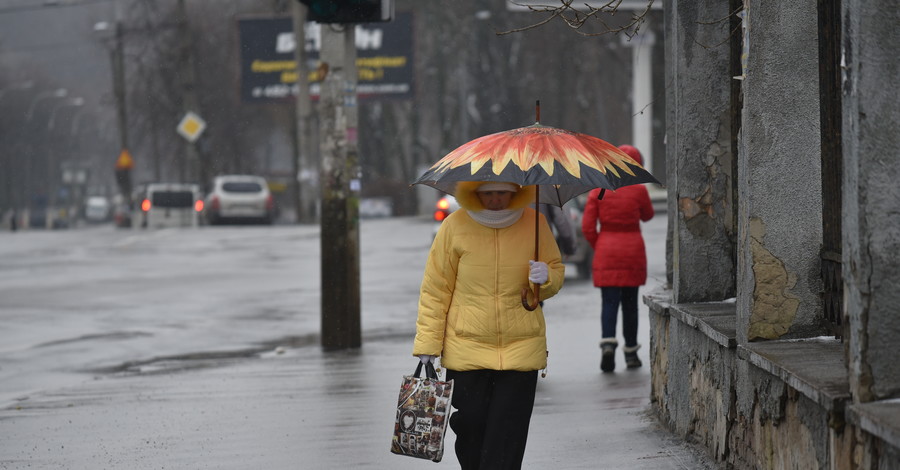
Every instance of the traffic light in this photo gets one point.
(349, 11)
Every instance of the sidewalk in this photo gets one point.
(301, 408)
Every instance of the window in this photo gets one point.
(242, 187)
(172, 199)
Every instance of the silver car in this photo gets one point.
(239, 198)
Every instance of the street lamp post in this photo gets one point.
(35, 164)
(79, 101)
(54, 162)
(44, 95)
(76, 121)
(26, 85)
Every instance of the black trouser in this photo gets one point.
(493, 412)
(612, 297)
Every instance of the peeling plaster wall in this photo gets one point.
(779, 188)
(741, 414)
(694, 394)
(780, 429)
(698, 148)
(659, 358)
(871, 207)
(775, 307)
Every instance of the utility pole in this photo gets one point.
(340, 176)
(118, 61)
(340, 191)
(124, 162)
(302, 114)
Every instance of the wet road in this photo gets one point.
(198, 349)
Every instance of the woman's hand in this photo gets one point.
(539, 272)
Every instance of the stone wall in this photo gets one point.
(755, 408)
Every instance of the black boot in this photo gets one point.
(608, 354)
(631, 357)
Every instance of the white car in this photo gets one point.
(239, 198)
(97, 209)
(167, 205)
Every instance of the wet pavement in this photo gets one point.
(302, 408)
(286, 404)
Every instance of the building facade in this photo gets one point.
(776, 343)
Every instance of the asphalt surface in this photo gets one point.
(302, 408)
(294, 406)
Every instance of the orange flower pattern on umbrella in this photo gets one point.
(538, 146)
(563, 163)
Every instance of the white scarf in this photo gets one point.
(497, 219)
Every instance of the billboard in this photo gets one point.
(384, 59)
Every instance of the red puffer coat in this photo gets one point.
(620, 259)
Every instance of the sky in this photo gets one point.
(57, 45)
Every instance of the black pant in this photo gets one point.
(493, 412)
(612, 297)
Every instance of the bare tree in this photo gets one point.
(581, 16)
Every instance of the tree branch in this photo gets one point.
(577, 17)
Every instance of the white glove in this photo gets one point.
(539, 272)
(425, 358)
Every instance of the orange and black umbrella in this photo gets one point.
(561, 164)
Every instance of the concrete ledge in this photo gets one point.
(659, 301)
(879, 418)
(814, 367)
(715, 319)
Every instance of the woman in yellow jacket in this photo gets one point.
(471, 315)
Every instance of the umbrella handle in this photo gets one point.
(537, 297)
(537, 218)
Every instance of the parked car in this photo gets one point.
(97, 209)
(164, 205)
(442, 208)
(239, 198)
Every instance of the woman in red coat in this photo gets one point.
(620, 261)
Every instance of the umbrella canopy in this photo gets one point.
(563, 163)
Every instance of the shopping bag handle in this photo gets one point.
(429, 370)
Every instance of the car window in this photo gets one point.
(172, 199)
(242, 187)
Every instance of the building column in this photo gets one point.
(871, 197)
(698, 135)
(779, 195)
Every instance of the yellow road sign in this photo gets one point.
(124, 162)
(191, 126)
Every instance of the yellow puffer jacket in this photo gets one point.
(470, 307)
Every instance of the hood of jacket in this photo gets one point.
(468, 199)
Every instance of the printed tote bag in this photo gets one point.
(423, 409)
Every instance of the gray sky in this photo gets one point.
(56, 44)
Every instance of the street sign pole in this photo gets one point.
(192, 169)
(340, 192)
